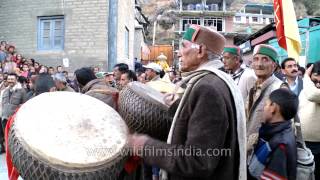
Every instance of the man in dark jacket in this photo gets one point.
(206, 120)
(97, 88)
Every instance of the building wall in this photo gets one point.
(85, 30)
(126, 16)
(228, 24)
(138, 39)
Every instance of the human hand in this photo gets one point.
(136, 142)
(170, 98)
(309, 70)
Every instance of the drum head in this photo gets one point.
(70, 130)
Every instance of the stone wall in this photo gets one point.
(126, 19)
(85, 30)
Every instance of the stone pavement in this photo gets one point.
(3, 167)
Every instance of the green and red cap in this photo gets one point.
(267, 50)
(213, 40)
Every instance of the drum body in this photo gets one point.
(144, 110)
(65, 135)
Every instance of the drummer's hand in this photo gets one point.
(170, 98)
(136, 143)
(309, 70)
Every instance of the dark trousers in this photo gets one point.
(2, 128)
(317, 169)
(3, 124)
(133, 176)
(315, 149)
(1, 133)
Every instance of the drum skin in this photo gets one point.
(144, 111)
(31, 165)
(31, 168)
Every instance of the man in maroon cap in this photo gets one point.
(209, 117)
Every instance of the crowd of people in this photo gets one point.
(223, 104)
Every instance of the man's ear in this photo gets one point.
(202, 51)
(274, 64)
(274, 108)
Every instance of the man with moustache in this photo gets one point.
(209, 115)
(152, 71)
(265, 59)
(290, 71)
(243, 77)
(13, 96)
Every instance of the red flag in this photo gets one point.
(279, 23)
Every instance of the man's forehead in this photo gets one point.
(315, 75)
(291, 62)
(185, 42)
(261, 56)
(227, 54)
(11, 77)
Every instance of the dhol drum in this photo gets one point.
(144, 110)
(65, 135)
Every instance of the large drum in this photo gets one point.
(144, 110)
(65, 135)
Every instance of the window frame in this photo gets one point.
(52, 36)
(189, 20)
(236, 20)
(215, 21)
(126, 42)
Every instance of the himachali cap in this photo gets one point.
(235, 50)
(201, 35)
(108, 73)
(100, 74)
(267, 50)
(154, 66)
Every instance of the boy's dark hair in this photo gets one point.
(316, 68)
(131, 75)
(43, 83)
(122, 67)
(283, 64)
(302, 69)
(287, 101)
(84, 75)
(22, 79)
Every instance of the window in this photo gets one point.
(126, 43)
(255, 19)
(237, 18)
(271, 20)
(187, 22)
(51, 33)
(215, 23)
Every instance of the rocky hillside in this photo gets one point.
(161, 10)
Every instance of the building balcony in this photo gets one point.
(204, 13)
(202, 5)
